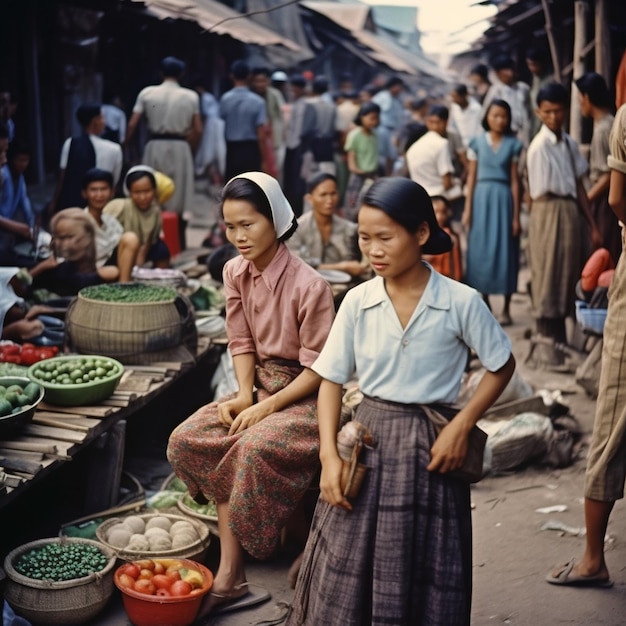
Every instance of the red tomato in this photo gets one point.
(47, 353)
(173, 572)
(29, 355)
(159, 568)
(143, 585)
(146, 573)
(161, 581)
(180, 588)
(11, 349)
(163, 593)
(131, 569)
(145, 564)
(11, 358)
(126, 581)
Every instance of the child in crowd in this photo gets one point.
(401, 552)
(362, 150)
(324, 239)
(255, 453)
(449, 264)
(492, 208)
(140, 214)
(72, 265)
(113, 245)
(559, 240)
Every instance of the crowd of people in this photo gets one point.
(419, 200)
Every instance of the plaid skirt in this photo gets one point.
(403, 555)
(262, 472)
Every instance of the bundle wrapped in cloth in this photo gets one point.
(350, 442)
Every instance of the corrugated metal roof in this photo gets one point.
(354, 18)
(218, 18)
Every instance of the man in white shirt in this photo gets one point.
(82, 153)
(428, 159)
(465, 114)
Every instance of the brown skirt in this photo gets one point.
(558, 245)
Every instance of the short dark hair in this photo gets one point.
(393, 82)
(318, 179)
(593, 85)
(171, 67)
(418, 103)
(503, 62)
(297, 80)
(503, 104)
(440, 111)
(538, 54)
(320, 85)
(18, 146)
(553, 92)
(460, 89)
(365, 109)
(261, 71)
(480, 70)
(87, 112)
(240, 70)
(98, 175)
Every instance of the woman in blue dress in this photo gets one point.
(492, 208)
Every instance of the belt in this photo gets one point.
(168, 137)
(552, 196)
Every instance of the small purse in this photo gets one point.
(472, 469)
(350, 441)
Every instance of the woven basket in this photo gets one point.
(130, 332)
(195, 551)
(65, 603)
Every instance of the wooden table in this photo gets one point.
(91, 438)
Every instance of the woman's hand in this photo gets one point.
(229, 410)
(330, 483)
(449, 449)
(466, 218)
(249, 417)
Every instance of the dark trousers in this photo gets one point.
(242, 156)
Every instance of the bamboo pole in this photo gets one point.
(603, 41)
(578, 67)
(554, 53)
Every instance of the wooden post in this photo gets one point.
(554, 53)
(578, 67)
(603, 41)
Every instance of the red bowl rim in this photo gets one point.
(207, 574)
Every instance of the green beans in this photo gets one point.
(129, 293)
(61, 561)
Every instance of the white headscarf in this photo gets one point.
(137, 168)
(282, 213)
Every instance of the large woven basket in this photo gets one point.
(195, 551)
(63, 603)
(131, 332)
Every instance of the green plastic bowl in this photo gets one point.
(77, 393)
(11, 424)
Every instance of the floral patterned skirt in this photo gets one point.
(262, 472)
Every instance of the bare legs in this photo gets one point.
(230, 573)
(596, 520)
(505, 316)
(127, 250)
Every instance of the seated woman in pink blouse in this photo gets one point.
(256, 452)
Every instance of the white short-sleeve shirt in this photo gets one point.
(428, 161)
(422, 363)
(109, 155)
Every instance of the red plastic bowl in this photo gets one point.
(146, 610)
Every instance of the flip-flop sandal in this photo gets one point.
(256, 595)
(565, 578)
